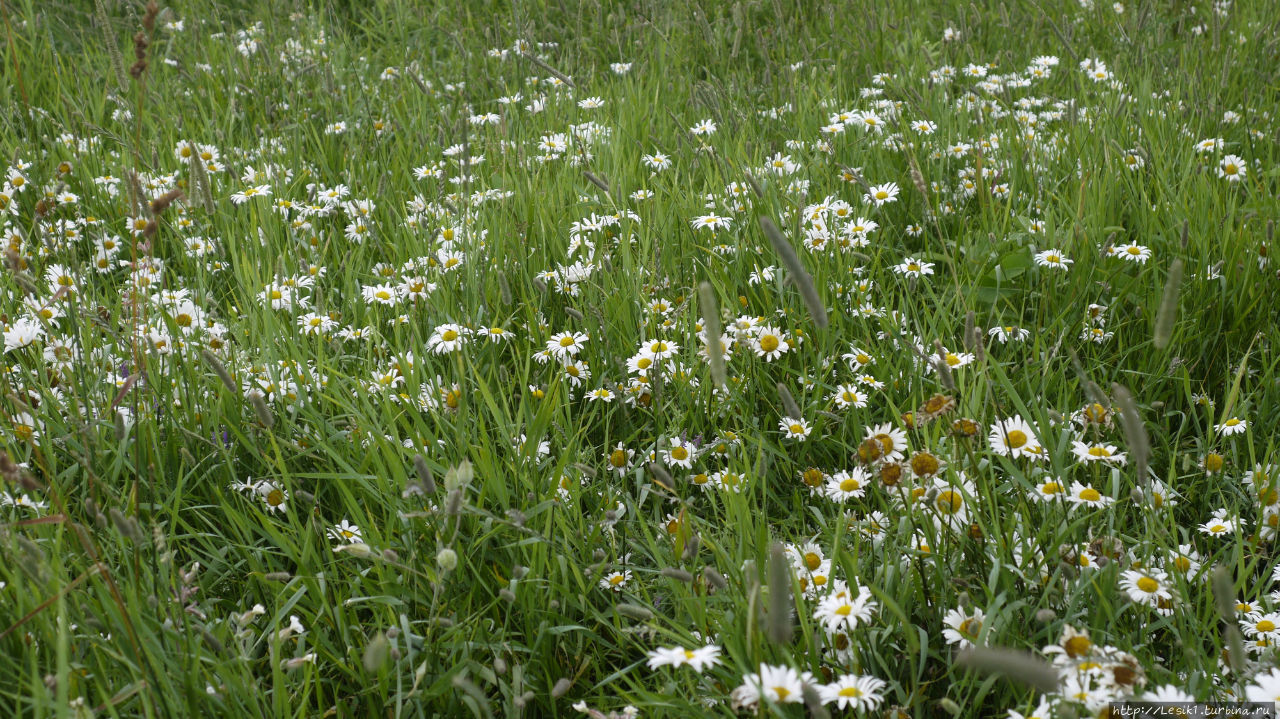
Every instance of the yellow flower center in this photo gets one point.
(1148, 585)
(1089, 494)
(769, 343)
(949, 502)
(449, 335)
(849, 485)
(1015, 439)
(851, 692)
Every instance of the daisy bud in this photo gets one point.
(447, 559)
(949, 706)
(561, 688)
(507, 595)
(1045, 616)
(499, 665)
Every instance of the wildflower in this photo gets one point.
(846, 396)
(1013, 438)
(770, 343)
(566, 345)
(679, 453)
(861, 693)
(912, 267)
(701, 658)
(1097, 452)
(794, 428)
(447, 338)
(1134, 252)
(1146, 586)
(249, 193)
(842, 612)
(963, 628)
(1054, 259)
(1084, 495)
(1219, 525)
(782, 685)
(345, 531)
(1232, 426)
(615, 581)
(845, 485)
(1232, 168)
(881, 194)
(1265, 688)
(273, 496)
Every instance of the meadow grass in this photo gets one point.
(358, 358)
